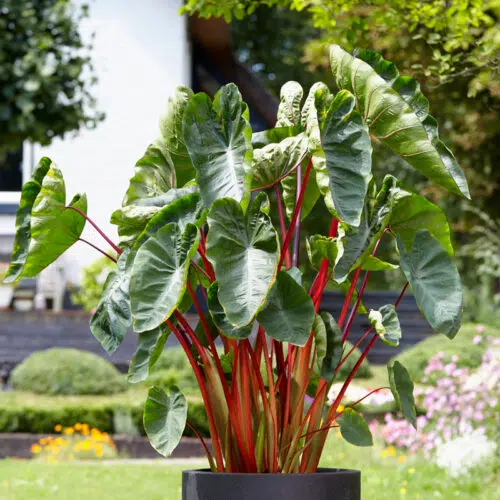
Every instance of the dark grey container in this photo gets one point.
(326, 484)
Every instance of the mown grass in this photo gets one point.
(386, 477)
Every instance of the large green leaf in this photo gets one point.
(359, 242)
(149, 347)
(244, 250)
(53, 227)
(289, 108)
(159, 274)
(154, 175)
(23, 220)
(112, 317)
(289, 312)
(397, 114)
(165, 419)
(386, 323)
(219, 316)
(333, 352)
(402, 390)
(137, 222)
(218, 137)
(172, 134)
(435, 282)
(321, 247)
(343, 160)
(354, 428)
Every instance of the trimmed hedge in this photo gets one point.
(469, 355)
(20, 412)
(61, 371)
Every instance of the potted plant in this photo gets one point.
(212, 220)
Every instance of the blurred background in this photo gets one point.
(85, 84)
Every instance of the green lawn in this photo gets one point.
(383, 478)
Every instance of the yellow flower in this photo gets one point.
(401, 459)
(43, 441)
(35, 448)
(340, 409)
(68, 431)
(58, 428)
(77, 426)
(99, 451)
(411, 470)
(403, 491)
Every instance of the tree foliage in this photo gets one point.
(45, 72)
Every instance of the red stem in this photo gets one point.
(366, 395)
(98, 249)
(282, 223)
(205, 447)
(296, 238)
(348, 298)
(97, 228)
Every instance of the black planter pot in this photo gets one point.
(326, 484)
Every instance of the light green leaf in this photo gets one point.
(321, 247)
(171, 131)
(219, 316)
(165, 419)
(159, 274)
(435, 282)
(402, 390)
(218, 137)
(53, 227)
(112, 317)
(372, 263)
(320, 89)
(343, 161)
(274, 135)
(23, 220)
(396, 113)
(386, 323)
(354, 428)
(244, 250)
(289, 108)
(149, 347)
(289, 312)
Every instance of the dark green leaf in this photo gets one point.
(435, 282)
(396, 112)
(149, 347)
(200, 329)
(244, 250)
(218, 137)
(354, 428)
(165, 419)
(112, 317)
(386, 324)
(289, 312)
(159, 274)
(402, 390)
(333, 352)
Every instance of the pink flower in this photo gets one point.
(477, 339)
(479, 328)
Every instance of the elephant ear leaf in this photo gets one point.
(50, 228)
(402, 390)
(385, 321)
(218, 138)
(354, 428)
(289, 108)
(435, 282)
(159, 274)
(396, 112)
(164, 419)
(112, 317)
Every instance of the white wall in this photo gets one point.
(140, 55)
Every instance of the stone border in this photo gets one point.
(17, 445)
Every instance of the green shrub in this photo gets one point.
(172, 358)
(363, 371)
(21, 412)
(166, 378)
(67, 371)
(469, 355)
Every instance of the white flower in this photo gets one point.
(461, 454)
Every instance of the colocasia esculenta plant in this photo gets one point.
(211, 222)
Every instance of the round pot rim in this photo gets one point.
(321, 471)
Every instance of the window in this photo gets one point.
(11, 172)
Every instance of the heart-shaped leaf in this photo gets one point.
(165, 419)
(343, 159)
(149, 347)
(52, 227)
(159, 274)
(385, 321)
(112, 317)
(402, 390)
(435, 282)
(244, 250)
(289, 108)
(218, 137)
(219, 316)
(289, 312)
(397, 114)
(354, 428)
